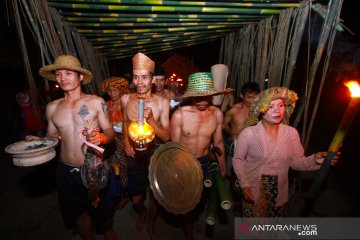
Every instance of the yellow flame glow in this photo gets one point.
(144, 132)
(354, 88)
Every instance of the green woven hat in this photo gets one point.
(262, 103)
(202, 84)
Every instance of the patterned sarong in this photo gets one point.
(265, 206)
(119, 158)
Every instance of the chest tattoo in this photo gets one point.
(84, 111)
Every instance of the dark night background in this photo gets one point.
(340, 195)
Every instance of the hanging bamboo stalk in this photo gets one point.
(328, 27)
(160, 19)
(62, 38)
(131, 43)
(130, 36)
(141, 8)
(49, 35)
(192, 3)
(150, 24)
(29, 77)
(154, 30)
(161, 45)
(154, 16)
(303, 13)
(146, 39)
(278, 58)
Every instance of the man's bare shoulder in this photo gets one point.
(214, 109)
(54, 104)
(92, 97)
(238, 106)
(126, 97)
(186, 109)
(170, 92)
(161, 99)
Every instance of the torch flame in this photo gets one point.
(354, 88)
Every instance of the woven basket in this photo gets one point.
(34, 152)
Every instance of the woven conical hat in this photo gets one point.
(176, 178)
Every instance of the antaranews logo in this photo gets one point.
(267, 230)
(243, 228)
(302, 230)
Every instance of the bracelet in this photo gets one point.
(102, 138)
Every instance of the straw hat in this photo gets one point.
(202, 84)
(263, 99)
(143, 62)
(220, 74)
(117, 82)
(65, 62)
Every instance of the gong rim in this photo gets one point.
(171, 191)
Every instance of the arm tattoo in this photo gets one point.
(105, 109)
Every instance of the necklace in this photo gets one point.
(147, 99)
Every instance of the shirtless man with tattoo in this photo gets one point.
(67, 118)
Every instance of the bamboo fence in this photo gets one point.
(269, 50)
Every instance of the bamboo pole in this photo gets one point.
(278, 58)
(155, 30)
(158, 24)
(303, 13)
(153, 16)
(161, 19)
(186, 9)
(146, 41)
(158, 45)
(212, 206)
(94, 38)
(189, 3)
(29, 77)
(328, 32)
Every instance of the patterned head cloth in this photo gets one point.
(202, 84)
(262, 103)
(143, 62)
(116, 82)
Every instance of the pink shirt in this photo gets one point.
(256, 154)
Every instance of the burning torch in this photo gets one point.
(336, 143)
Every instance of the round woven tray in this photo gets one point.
(176, 178)
(30, 153)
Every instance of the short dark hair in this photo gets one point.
(160, 71)
(250, 87)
